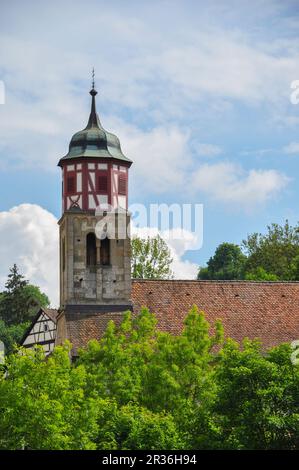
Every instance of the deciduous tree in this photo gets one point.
(150, 258)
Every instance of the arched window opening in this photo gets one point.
(91, 250)
(105, 251)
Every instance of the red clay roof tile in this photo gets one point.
(265, 310)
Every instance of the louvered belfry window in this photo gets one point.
(102, 183)
(105, 251)
(122, 184)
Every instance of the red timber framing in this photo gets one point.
(89, 183)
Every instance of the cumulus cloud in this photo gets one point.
(161, 155)
(29, 238)
(163, 162)
(228, 183)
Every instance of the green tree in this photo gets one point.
(150, 258)
(227, 263)
(260, 275)
(140, 388)
(11, 335)
(170, 376)
(133, 427)
(20, 301)
(275, 252)
(256, 405)
(43, 404)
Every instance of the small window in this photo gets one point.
(91, 250)
(63, 254)
(46, 328)
(70, 184)
(105, 251)
(122, 184)
(102, 184)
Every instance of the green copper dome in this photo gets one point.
(94, 140)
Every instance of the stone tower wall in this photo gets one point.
(99, 284)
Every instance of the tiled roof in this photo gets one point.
(265, 310)
(82, 328)
(51, 312)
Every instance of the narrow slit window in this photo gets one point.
(63, 254)
(91, 250)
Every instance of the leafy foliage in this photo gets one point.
(43, 405)
(12, 334)
(150, 258)
(257, 400)
(260, 275)
(273, 256)
(139, 388)
(227, 263)
(275, 252)
(19, 303)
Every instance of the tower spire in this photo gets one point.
(93, 118)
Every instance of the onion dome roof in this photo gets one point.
(94, 141)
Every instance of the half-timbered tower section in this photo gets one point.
(94, 247)
(42, 331)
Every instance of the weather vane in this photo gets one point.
(92, 78)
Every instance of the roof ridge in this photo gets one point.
(215, 281)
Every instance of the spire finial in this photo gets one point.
(93, 118)
(93, 92)
(92, 83)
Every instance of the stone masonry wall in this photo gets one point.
(80, 284)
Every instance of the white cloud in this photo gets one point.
(158, 74)
(161, 156)
(292, 148)
(257, 152)
(166, 68)
(208, 150)
(163, 162)
(29, 238)
(229, 64)
(228, 183)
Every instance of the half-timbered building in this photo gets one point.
(42, 330)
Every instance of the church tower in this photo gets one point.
(95, 271)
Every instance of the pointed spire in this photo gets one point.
(93, 118)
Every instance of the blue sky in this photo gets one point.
(198, 92)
